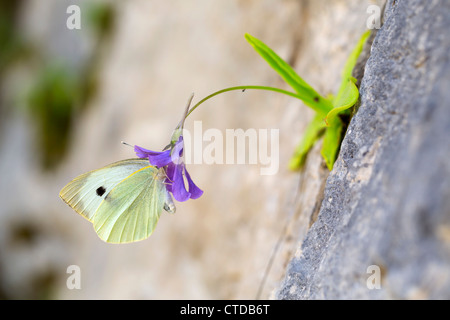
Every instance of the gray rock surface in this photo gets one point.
(387, 200)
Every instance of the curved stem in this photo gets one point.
(292, 94)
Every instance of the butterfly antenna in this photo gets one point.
(127, 144)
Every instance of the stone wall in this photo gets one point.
(386, 206)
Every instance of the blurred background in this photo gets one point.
(68, 97)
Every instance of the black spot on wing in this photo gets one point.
(100, 191)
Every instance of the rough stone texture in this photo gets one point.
(387, 201)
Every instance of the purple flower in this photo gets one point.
(173, 160)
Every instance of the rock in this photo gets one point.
(387, 200)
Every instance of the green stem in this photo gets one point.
(292, 94)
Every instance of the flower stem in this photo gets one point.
(292, 94)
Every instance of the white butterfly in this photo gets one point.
(123, 200)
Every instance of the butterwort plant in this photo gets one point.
(329, 111)
(326, 121)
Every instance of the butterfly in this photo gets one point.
(123, 200)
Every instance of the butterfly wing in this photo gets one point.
(132, 209)
(123, 200)
(86, 192)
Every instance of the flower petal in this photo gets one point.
(161, 159)
(158, 159)
(144, 153)
(178, 189)
(173, 161)
(195, 191)
(177, 152)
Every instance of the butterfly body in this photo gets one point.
(123, 200)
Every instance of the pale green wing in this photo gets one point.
(132, 209)
(86, 192)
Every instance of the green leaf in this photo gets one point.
(346, 97)
(344, 100)
(328, 108)
(306, 93)
(332, 142)
(348, 93)
(313, 132)
(351, 61)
